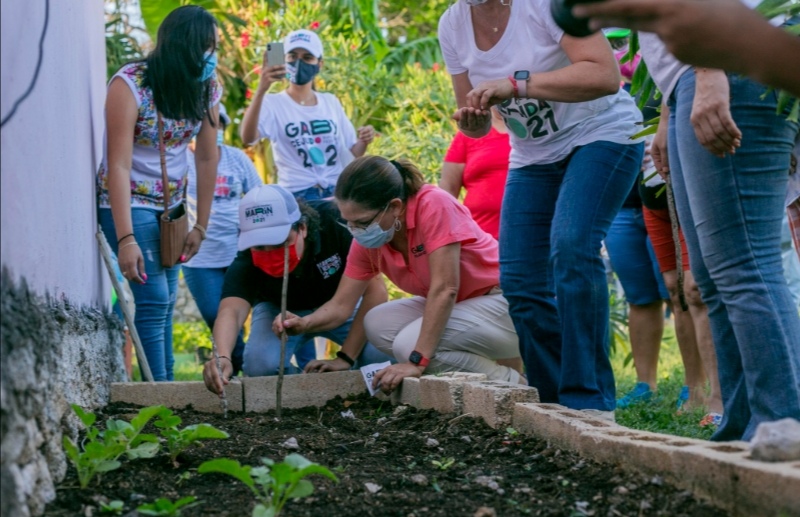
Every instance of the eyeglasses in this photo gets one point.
(363, 226)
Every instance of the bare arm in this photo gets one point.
(232, 314)
(708, 33)
(269, 75)
(593, 73)
(206, 159)
(121, 116)
(452, 178)
(330, 315)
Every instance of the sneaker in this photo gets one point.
(711, 419)
(640, 393)
(683, 398)
(602, 415)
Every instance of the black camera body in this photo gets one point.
(562, 14)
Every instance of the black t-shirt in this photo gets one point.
(315, 279)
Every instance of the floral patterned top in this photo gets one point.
(146, 183)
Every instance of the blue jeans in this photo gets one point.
(633, 258)
(553, 220)
(205, 284)
(314, 192)
(155, 299)
(262, 356)
(730, 211)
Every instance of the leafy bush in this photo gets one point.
(273, 484)
(190, 335)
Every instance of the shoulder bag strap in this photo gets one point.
(163, 155)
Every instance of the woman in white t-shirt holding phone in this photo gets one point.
(572, 164)
(312, 138)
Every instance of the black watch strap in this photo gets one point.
(349, 360)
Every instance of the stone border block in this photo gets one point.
(407, 393)
(177, 395)
(558, 424)
(300, 390)
(443, 392)
(493, 401)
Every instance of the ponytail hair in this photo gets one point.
(373, 181)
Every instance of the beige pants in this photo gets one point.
(478, 333)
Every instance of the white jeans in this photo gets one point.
(478, 333)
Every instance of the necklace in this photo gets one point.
(504, 4)
(307, 99)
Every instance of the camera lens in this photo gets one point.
(562, 14)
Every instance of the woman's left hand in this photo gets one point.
(389, 378)
(192, 245)
(366, 134)
(489, 93)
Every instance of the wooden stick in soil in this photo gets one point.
(223, 400)
(105, 252)
(676, 240)
(284, 291)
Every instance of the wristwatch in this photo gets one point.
(522, 76)
(418, 359)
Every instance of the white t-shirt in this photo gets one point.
(310, 144)
(236, 175)
(541, 131)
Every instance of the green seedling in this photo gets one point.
(116, 507)
(186, 476)
(178, 440)
(163, 507)
(511, 431)
(96, 454)
(444, 464)
(129, 434)
(273, 484)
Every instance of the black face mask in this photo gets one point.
(301, 73)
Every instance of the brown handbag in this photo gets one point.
(174, 223)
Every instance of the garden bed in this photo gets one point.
(424, 463)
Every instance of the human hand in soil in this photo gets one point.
(293, 324)
(327, 365)
(211, 375)
(389, 378)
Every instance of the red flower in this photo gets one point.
(245, 39)
(353, 47)
(248, 94)
(314, 26)
(257, 70)
(435, 67)
(264, 23)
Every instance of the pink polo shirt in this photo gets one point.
(434, 219)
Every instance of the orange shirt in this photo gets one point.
(434, 219)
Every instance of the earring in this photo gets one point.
(397, 224)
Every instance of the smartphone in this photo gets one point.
(275, 55)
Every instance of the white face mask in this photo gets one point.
(474, 2)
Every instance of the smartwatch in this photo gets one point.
(418, 359)
(522, 76)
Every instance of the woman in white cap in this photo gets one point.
(312, 138)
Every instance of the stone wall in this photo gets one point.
(185, 307)
(52, 354)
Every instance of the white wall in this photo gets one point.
(50, 149)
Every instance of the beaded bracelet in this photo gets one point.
(201, 230)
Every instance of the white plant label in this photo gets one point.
(369, 372)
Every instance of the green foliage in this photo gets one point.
(121, 46)
(273, 484)
(100, 450)
(190, 335)
(116, 507)
(444, 463)
(178, 440)
(163, 507)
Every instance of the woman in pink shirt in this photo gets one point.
(427, 243)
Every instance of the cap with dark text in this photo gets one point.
(266, 216)
(303, 39)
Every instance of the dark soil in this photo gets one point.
(493, 472)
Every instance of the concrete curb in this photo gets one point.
(721, 472)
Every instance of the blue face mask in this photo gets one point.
(373, 236)
(301, 73)
(209, 65)
(220, 137)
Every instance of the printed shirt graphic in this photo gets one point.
(146, 182)
(310, 144)
(236, 176)
(434, 219)
(540, 131)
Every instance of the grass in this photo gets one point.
(186, 368)
(659, 414)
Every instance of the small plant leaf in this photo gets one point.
(145, 415)
(230, 467)
(87, 418)
(303, 488)
(206, 431)
(145, 450)
(262, 511)
(107, 466)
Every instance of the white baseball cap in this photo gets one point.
(266, 216)
(304, 39)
